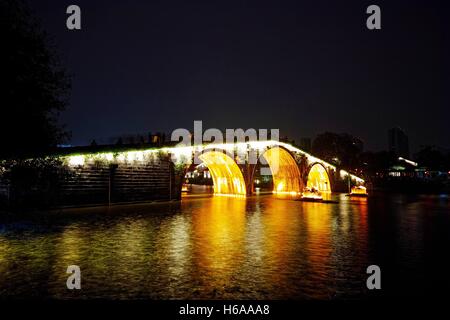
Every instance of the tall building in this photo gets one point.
(398, 142)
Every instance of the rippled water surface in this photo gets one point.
(222, 247)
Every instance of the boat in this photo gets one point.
(358, 191)
(186, 187)
(312, 195)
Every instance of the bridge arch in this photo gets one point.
(285, 172)
(225, 172)
(318, 178)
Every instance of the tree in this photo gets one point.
(432, 158)
(33, 83)
(374, 162)
(341, 149)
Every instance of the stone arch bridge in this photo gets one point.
(158, 173)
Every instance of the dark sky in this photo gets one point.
(304, 67)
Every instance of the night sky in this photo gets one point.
(304, 67)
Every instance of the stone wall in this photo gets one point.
(94, 183)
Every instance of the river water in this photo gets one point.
(218, 247)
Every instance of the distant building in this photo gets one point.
(398, 142)
(402, 168)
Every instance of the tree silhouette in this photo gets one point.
(342, 149)
(432, 158)
(33, 85)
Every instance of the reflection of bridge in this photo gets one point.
(233, 166)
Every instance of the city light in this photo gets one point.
(408, 161)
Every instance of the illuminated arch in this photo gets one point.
(318, 178)
(285, 173)
(225, 172)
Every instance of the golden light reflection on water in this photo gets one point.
(175, 243)
(219, 227)
(257, 247)
(319, 244)
(30, 256)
